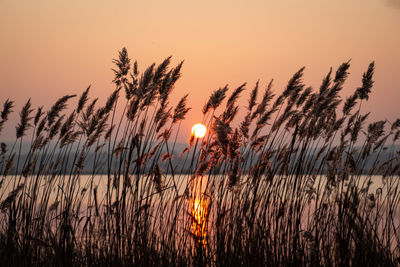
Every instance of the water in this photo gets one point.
(179, 185)
(189, 211)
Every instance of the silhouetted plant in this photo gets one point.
(289, 185)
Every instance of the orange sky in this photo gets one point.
(52, 48)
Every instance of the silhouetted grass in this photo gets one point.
(284, 187)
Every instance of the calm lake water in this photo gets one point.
(195, 194)
(180, 184)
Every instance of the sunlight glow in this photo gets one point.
(199, 130)
(199, 205)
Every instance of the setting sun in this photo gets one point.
(199, 130)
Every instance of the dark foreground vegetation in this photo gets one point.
(261, 202)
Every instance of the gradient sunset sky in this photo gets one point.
(52, 48)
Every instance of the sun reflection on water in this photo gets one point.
(198, 205)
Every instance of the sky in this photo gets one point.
(52, 48)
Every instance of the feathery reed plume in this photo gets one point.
(158, 178)
(55, 110)
(303, 97)
(87, 114)
(190, 142)
(234, 175)
(215, 99)
(123, 64)
(326, 82)
(176, 74)
(169, 82)
(68, 125)
(262, 121)
(234, 145)
(69, 138)
(161, 71)
(25, 119)
(185, 150)
(164, 135)
(111, 101)
(180, 109)
(3, 148)
(163, 119)
(132, 109)
(154, 151)
(245, 125)
(229, 113)
(203, 167)
(145, 81)
(357, 127)
(82, 100)
(395, 125)
(109, 132)
(99, 129)
(375, 130)
(56, 127)
(349, 104)
(80, 162)
(41, 126)
(166, 156)
(253, 97)
(267, 97)
(294, 85)
(88, 124)
(7, 109)
(28, 169)
(222, 131)
(164, 89)
(235, 94)
(257, 144)
(367, 82)
(135, 69)
(120, 147)
(38, 115)
(231, 110)
(341, 74)
(161, 112)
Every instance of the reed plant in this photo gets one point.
(292, 184)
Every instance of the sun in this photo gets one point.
(199, 130)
